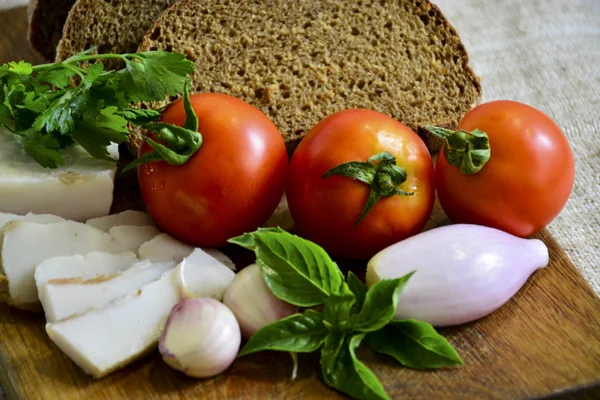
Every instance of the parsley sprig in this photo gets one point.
(50, 107)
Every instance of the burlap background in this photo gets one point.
(545, 53)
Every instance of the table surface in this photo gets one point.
(544, 53)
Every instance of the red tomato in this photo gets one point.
(326, 209)
(527, 180)
(230, 186)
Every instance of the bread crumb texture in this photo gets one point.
(300, 61)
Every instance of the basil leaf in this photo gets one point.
(247, 239)
(358, 288)
(414, 344)
(295, 270)
(336, 312)
(344, 372)
(380, 304)
(298, 333)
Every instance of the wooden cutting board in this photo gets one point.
(544, 342)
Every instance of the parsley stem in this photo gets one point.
(78, 71)
(77, 58)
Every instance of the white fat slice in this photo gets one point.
(79, 190)
(64, 298)
(130, 238)
(128, 217)
(29, 217)
(27, 244)
(220, 257)
(166, 248)
(82, 266)
(108, 338)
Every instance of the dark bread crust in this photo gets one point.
(46, 19)
(113, 26)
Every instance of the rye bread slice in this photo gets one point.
(113, 26)
(300, 61)
(46, 20)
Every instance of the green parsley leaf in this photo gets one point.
(20, 68)
(93, 72)
(60, 116)
(33, 102)
(42, 148)
(94, 136)
(155, 75)
(45, 100)
(58, 77)
(4, 113)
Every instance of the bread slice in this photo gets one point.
(46, 20)
(301, 61)
(114, 26)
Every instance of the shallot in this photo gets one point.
(462, 272)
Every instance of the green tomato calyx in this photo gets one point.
(181, 143)
(469, 151)
(380, 172)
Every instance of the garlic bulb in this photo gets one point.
(462, 272)
(201, 337)
(253, 304)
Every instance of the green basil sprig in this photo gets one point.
(302, 273)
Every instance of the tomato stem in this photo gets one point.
(380, 172)
(180, 143)
(469, 151)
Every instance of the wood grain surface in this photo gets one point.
(543, 343)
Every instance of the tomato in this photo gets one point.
(231, 185)
(526, 182)
(326, 210)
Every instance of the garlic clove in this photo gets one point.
(462, 272)
(201, 338)
(252, 303)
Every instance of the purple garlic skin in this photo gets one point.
(462, 273)
(201, 337)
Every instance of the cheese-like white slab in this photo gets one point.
(130, 238)
(163, 248)
(30, 217)
(128, 217)
(108, 338)
(63, 298)
(85, 267)
(222, 258)
(26, 244)
(80, 190)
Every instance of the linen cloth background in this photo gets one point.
(545, 53)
